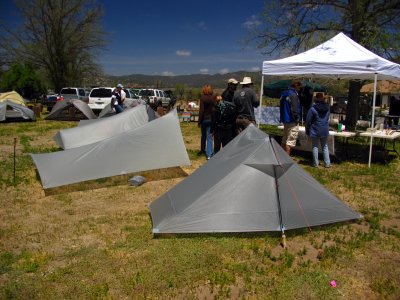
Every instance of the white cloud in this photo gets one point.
(204, 71)
(223, 71)
(252, 22)
(183, 53)
(255, 69)
(202, 25)
(167, 73)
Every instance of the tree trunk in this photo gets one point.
(352, 112)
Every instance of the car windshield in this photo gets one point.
(68, 91)
(102, 93)
(146, 93)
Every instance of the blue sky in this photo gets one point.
(178, 37)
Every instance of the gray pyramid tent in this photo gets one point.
(100, 129)
(128, 103)
(11, 111)
(71, 109)
(155, 145)
(250, 185)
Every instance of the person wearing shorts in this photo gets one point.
(290, 134)
(290, 112)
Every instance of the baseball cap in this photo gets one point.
(119, 85)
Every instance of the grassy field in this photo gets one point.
(93, 240)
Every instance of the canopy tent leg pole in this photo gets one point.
(261, 96)
(372, 121)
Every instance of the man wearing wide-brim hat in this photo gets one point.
(245, 100)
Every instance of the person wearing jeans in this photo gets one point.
(317, 128)
(206, 137)
(206, 119)
(325, 151)
(118, 99)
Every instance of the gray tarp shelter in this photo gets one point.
(338, 58)
(155, 145)
(250, 185)
(101, 129)
(61, 110)
(11, 111)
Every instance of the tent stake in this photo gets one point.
(283, 240)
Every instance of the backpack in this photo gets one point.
(225, 115)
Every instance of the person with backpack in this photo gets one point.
(225, 116)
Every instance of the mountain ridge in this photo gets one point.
(193, 80)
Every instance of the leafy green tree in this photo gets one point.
(292, 26)
(61, 37)
(23, 79)
(196, 93)
(180, 90)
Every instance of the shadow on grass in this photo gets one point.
(256, 234)
(355, 153)
(153, 175)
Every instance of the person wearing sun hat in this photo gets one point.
(245, 100)
(229, 132)
(227, 94)
(118, 98)
(290, 113)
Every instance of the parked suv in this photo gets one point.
(154, 96)
(99, 97)
(74, 93)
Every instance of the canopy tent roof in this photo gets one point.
(11, 111)
(155, 145)
(12, 96)
(100, 129)
(339, 57)
(250, 185)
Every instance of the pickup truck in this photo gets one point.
(69, 93)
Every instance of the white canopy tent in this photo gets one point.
(338, 58)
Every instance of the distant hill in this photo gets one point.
(218, 81)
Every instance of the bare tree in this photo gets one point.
(292, 26)
(61, 37)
